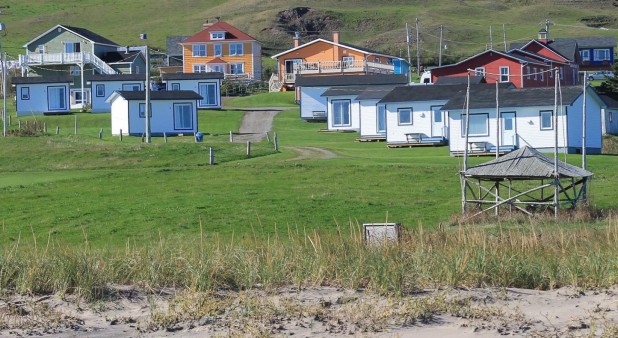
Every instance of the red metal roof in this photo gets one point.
(231, 34)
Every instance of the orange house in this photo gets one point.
(221, 47)
(323, 57)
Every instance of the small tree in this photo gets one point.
(610, 85)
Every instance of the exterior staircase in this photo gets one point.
(274, 84)
(36, 59)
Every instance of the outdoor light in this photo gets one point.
(147, 89)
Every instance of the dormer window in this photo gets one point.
(217, 35)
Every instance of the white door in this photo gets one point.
(437, 122)
(509, 133)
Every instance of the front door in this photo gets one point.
(437, 122)
(381, 120)
(509, 133)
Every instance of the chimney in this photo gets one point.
(336, 37)
(207, 24)
(296, 39)
(543, 36)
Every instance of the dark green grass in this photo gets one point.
(281, 99)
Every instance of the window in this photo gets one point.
(142, 110)
(56, 98)
(131, 87)
(182, 116)
(610, 117)
(542, 74)
(535, 73)
(218, 49)
(528, 72)
(25, 93)
(547, 119)
(504, 74)
(585, 54)
(479, 125)
(236, 49)
(41, 49)
(561, 71)
(601, 55)
(479, 71)
(199, 50)
(78, 97)
(237, 68)
(341, 113)
(100, 90)
(437, 114)
(217, 35)
(72, 47)
(381, 119)
(175, 86)
(216, 68)
(348, 61)
(208, 92)
(74, 70)
(199, 68)
(404, 116)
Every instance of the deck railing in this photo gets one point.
(65, 59)
(330, 67)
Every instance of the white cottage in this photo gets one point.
(171, 112)
(208, 85)
(526, 119)
(309, 90)
(373, 113)
(609, 115)
(102, 86)
(42, 95)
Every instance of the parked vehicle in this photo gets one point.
(602, 75)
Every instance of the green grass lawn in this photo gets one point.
(280, 99)
(60, 187)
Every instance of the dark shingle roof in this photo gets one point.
(375, 92)
(94, 37)
(596, 41)
(455, 80)
(191, 76)
(485, 97)
(118, 57)
(42, 79)
(422, 93)
(350, 80)
(566, 47)
(358, 90)
(161, 95)
(525, 163)
(611, 102)
(173, 46)
(116, 77)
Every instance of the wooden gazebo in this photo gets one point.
(523, 180)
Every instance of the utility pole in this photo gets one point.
(440, 57)
(147, 90)
(504, 36)
(409, 60)
(418, 49)
(491, 39)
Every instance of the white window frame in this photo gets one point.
(199, 50)
(217, 35)
(542, 74)
(234, 68)
(479, 71)
(218, 49)
(175, 86)
(204, 102)
(25, 93)
(551, 119)
(535, 73)
(62, 92)
(199, 68)
(142, 110)
(75, 47)
(475, 117)
(402, 112)
(347, 61)
(598, 57)
(41, 49)
(585, 54)
(381, 115)
(181, 123)
(128, 87)
(74, 70)
(503, 74)
(236, 49)
(100, 90)
(528, 72)
(340, 114)
(561, 71)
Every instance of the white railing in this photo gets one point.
(325, 67)
(238, 77)
(65, 58)
(274, 84)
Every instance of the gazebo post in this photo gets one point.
(497, 197)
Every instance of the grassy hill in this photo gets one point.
(374, 24)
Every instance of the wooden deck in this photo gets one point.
(414, 144)
(371, 139)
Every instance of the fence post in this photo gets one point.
(120, 135)
(19, 124)
(9, 120)
(267, 137)
(276, 142)
(248, 148)
(45, 127)
(75, 131)
(231, 137)
(194, 137)
(57, 130)
(211, 156)
(26, 126)
(101, 134)
(165, 137)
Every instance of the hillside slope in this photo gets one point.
(377, 25)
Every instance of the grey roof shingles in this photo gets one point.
(350, 80)
(596, 41)
(116, 77)
(524, 163)
(422, 93)
(119, 57)
(457, 80)
(161, 95)
(94, 37)
(191, 76)
(358, 90)
(42, 79)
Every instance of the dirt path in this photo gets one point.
(311, 152)
(254, 125)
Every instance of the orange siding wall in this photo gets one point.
(246, 58)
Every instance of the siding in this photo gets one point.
(369, 118)
(310, 101)
(421, 120)
(247, 58)
(38, 104)
(354, 113)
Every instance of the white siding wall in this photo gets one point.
(162, 120)
(311, 101)
(527, 127)
(421, 120)
(368, 118)
(37, 103)
(354, 113)
(593, 123)
(98, 103)
(120, 116)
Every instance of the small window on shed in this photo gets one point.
(25, 94)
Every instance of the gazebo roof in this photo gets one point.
(524, 163)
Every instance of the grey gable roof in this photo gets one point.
(358, 90)
(525, 163)
(94, 37)
(120, 57)
(375, 92)
(610, 102)
(161, 95)
(453, 80)
(422, 93)
(564, 47)
(116, 77)
(350, 80)
(172, 44)
(191, 76)
(485, 97)
(42, 79)
(596, 41)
